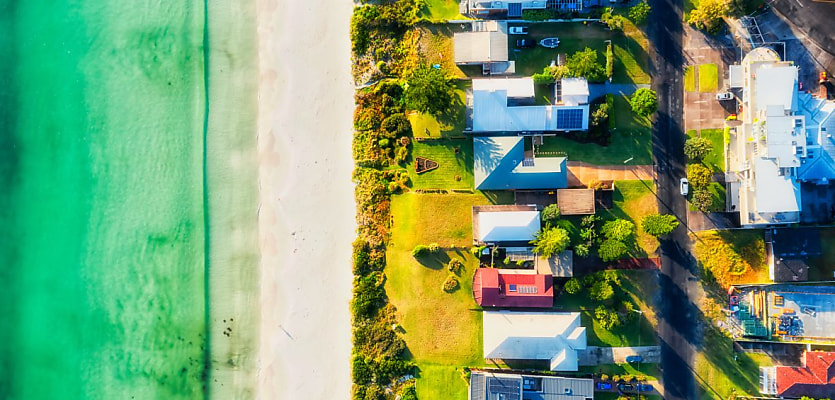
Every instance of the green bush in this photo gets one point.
(430, 91)
(361, 373)
(584, 63)
(702, 199)
(708, 16)
(543, 78)
(607, 318)
(401, 155)
(601, 291)
(369, 295)
(644, 102)
(696, 148)
(639, 12)
(476, 250)
(573, 286)
(408, 393)
(600, 115)
(383, 142)
(537, 15)
(610, 62)
(550, 241)
(582, 250)
(611, 250)
(620, 229)
(455, 265)
(397, 125)
(698, 176)
(434, 247)
(659, 225)
(450, 284)
(420, 250)
(550, 214)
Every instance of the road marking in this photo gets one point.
(799, 3)
(824, 1)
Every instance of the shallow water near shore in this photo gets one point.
(107, 242)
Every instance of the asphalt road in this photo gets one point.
(678, 317)
(812, 17)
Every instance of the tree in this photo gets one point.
(601, 291)
(611, 250)
(607, 318)
(708, 15)
(550, 241)
(698, 175)
(620, 230)
(550, 74)
(397, 125)
(644, 102)
(429, 90)
(696, 148)
(702, 199)
(582, 250)
(659, 225)
(614, 22)
(550, 214)
(639, 12)
(600, 115)
(573, 286)
(584, 63)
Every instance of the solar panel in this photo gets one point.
(505, 389)
(571, 119)
(514, 10)
(527, 289)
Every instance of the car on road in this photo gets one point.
(625, 387)
(634, 359)
(518, 30)
(644, 387)
(525, 43)
(604, 386)
(724, 96)
(684, 186)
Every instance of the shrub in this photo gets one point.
(401, 154)
(659, 225)
(627, 378)
(434, 247)
(600, 115)
(607, 318)
(696, 148)
(537, 15)
(582, 250)
(420, 250)
(594, 183)
(639, 12)
(584, 63)
(360, 372)
(429, 90)
(368, 295)
(611, 250)
(383, 142)
(601, 291)
(702, 199)
(450, 284)
(616, 378)
(644, 102)
(698, 175)
(604, 377)
(708, 16)
(455, 265)
(408, 393)
(573, 286)
(610, 61)
(620, 229)
(550, 214)
(397, 125)
(613, 22)
(476, 250)
(550, 241)
(543, 78)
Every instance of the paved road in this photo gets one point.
(677, 327)
(812, 17)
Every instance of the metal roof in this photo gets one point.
(498, 165)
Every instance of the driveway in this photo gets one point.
(580, 173)
(597, 90)
(593, 355)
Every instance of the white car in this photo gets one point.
(724, 96)
(684, 186)
(518, 30)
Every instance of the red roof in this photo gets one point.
(502, 288)
(816, 379)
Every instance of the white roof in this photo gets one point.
(776, 85)
(507, 226)
(575, 87)
(492, 114)
(515, 87)
(737, 76)
(784, 136)
(775, 193)
(552, 336)
(480, 47)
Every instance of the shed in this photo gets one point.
(575, 201)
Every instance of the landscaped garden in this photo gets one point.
(455, 164)
(442, 330)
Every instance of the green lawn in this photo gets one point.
(715, 160)
(689, 79)
(708, 78)
(718, 374)
(649, 370)
(637, 287)
(455, 164)
(633, 200)
(442, 330)
(632, 137)
(822, 267)
(451, 123)
(440, 10)
(631, 54)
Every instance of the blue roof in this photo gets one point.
(499, 164)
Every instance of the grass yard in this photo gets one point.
(719, 374)
(455, 164)
(632, 137)
(708, 78)
(633, 201)
(442, 330)
(451, 123)
(715, 160)
(822, 267)
(631, 54)
(440, 10)
(649, 370)
(690, 78)
(731, 256)
(637, 287)
(436, 45)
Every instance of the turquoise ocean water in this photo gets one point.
(104, 290)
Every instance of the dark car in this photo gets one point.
(644, 387)
(634, 359)
(604, 386)
(625, 387)
(525, 43)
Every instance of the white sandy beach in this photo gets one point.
(306, 216)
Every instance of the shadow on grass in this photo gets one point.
(435, 261)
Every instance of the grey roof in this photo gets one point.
(500, 386)
(492, 112)
(498, 165)
(480, 47)
(796, 242)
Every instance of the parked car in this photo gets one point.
(604, 386)
(525, 43)
(625, 387)
(644, 387)
(634, 359)
(684, 186)
(518, 30)
(724, 96)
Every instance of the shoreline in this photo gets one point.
(306, 212)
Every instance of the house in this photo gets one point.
(816, 378)
(501, 105)
(503, 163)
(779, 144)
(787, 251)
(493, 287)
(485, 45)
(513, 9)
(485, 385)
(505, 225)
(553, 337)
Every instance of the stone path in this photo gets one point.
(580, 173)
